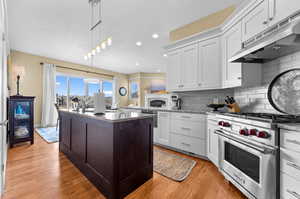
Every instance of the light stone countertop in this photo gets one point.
(112, 116)
(165, 110)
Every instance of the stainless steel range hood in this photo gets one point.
(277, 41)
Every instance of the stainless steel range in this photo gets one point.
(249, 152)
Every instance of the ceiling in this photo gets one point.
(59, 29)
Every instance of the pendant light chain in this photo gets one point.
(97, 44)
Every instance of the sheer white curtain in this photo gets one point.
(115, 101)
(49, 115)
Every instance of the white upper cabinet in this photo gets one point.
(237, 74)
(256, 20)
(189, 65)
(210, 70)
(174, 70)
(232, 43)
(281, 9)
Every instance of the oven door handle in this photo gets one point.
(263, 150)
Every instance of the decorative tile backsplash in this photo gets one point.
(198, 100)
(255, 99)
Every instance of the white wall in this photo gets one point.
(255, 99)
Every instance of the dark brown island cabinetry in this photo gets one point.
(116, 155)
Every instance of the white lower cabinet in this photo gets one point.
(289, 164)
(188, 144)
(163, 131)
(212, 142)
(187, 133)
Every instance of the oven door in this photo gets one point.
(252, 168)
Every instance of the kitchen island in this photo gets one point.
(114, 151)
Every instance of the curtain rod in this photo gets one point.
(82, 70)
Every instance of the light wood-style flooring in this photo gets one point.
(41, 172)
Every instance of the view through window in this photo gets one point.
(68, 88)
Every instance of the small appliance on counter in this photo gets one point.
(176, 102)
(163, 101)
(99, 102)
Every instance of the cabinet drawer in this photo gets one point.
(182, 127)
(194, 145)
(290, 163)
(188, 116)
(290, 140)
(289, 187)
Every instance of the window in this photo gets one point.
(84, 89)
(134, 90)
(62, 91)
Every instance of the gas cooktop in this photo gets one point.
(268, 117)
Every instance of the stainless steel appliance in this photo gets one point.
(160, 101)
(278, 40)
(249, 153)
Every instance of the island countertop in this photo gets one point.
(113, 116)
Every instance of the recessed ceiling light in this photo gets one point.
(89, 55)
(137, 63)
(139, 43)
(165, 55)
(85, 57)
(158, 70)
(155, 36)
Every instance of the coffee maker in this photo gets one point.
(176, 102)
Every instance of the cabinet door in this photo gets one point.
(281, 9)
(173, 71)
(65, 131)
(163, 135)
(212, 143)
(256, 20)
(232, 43)
(209, 70)
(189, 65)
(78, 137)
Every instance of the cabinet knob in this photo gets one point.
(239, 78)
(265, 22)
(271, 18)
(199, 84)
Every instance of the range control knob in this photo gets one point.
(226, 124)
(263, 134)
(220, 123)
(244, 132)
(253, 132)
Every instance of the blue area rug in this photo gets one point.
(49, 134)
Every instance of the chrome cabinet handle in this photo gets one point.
(183, 143)
(184, 128)
(293, 193)
(4, 123)
(293, 165)
(293, 141)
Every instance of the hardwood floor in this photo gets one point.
(41, 172)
